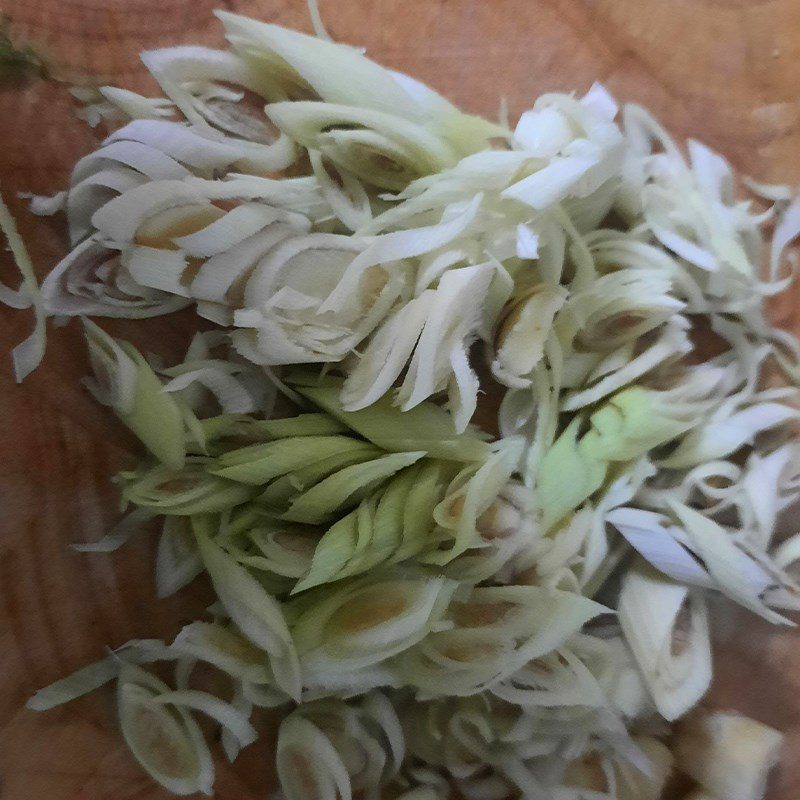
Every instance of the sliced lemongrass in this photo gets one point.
(309, 768)
(230, 718)
(178, 561)
(255, 612)
(167, 743)
(225, 648)
(346, 487)
(135, 393)
(728, 754)
(424, 427)
(666, 626)
(28, 354)
(95, 675)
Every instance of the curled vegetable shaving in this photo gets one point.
(479, 507)
(30, 352)
(380, 149)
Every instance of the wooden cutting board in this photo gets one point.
(726, 71)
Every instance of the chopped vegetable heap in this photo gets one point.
(434, 608)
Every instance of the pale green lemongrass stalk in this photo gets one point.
(626, 427)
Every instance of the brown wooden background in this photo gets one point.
(726, 71)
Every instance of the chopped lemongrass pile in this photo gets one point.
(434, 608)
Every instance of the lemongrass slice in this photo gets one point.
(92, 193)
(136, 106)
(225, 648)
(230, 229)
(567, 477)
(28, 354)
(180, 142)
(380, 713)
(666, 627)
(259, 464)
(283, 550)
(647, 532)
(303, 67)
(398, 245)
(230, 744)
(727, 433)
(120, 218)
(436, 327)
(447, 331)
(498, 630)
(727, 753)
(125, 381)
(91, 279)
(425, 427)
(467, 505)
(383, 529)
(358, 737)
(231, 719)
(285, 297)
(178, 561)
(346, 487)
(167, 743)
(144, 158)
(223, 278)
(344, 193)
(737, 575)
(521, 335)
(255, 612)
(626, 427)
(185, 492)
(367, 621)
(200, 64)
(219, 378)
(672, 343)
(309, 768)
(281, 493)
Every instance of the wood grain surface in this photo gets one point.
(725, 71)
